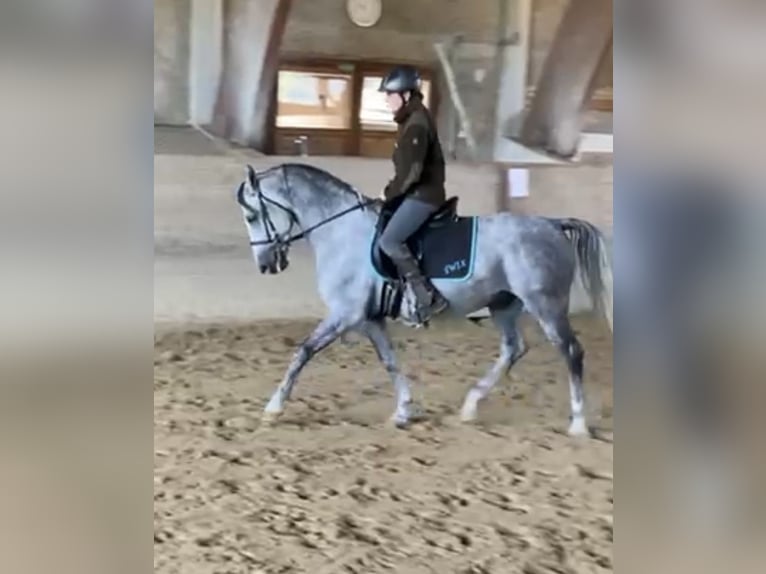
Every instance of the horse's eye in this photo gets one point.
(252, 217)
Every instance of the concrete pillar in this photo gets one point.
(171, 61)
(205, 61)
(252, 32)
(512, 86)
(568, 78)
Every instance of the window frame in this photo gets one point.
(336, 72)
(357, 70)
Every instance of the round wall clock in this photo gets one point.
(364, 13)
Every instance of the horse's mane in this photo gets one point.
(321, 177)
(324, 179)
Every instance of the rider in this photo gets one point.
(419, 176)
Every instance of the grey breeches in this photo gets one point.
(412, 213)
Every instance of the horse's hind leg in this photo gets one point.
(553, 317)
(512, 348)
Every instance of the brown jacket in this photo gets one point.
(418, 158)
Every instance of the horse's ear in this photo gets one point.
(251, 175)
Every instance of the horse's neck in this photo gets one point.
(348, 230)
(317, 209)
(311, 212)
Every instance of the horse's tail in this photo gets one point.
(592, 262)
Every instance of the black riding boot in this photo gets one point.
(429, 301)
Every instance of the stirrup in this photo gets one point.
(425, 313)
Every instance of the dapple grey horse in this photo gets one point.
(522, 263)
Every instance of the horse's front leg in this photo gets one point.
(380, 340)
(325, 333)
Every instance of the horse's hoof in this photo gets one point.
(417, 413)
(469, 412)
(468, 418)
(578, 428)
(270, 417)
(399, 424)
(400, 421)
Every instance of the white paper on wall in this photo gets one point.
(518, 182)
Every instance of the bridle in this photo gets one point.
(273, 237)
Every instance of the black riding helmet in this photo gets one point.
(400, 79)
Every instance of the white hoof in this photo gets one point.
(578, 428)
(400, 421)
(402, 417)
(269, 417)
(468, 413)
(272, 411)
(275, 404)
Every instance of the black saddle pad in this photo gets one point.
(444, 247)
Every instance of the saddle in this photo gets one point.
(443, 246)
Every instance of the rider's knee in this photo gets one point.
(392, 248)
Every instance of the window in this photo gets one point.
(313, 100)
(374, 113)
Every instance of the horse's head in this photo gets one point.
(270, 222)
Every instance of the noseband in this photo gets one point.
(272, 236)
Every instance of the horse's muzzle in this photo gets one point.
(271, 269)
(277, 265)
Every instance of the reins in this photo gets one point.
(272, 237)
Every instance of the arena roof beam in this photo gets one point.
(252, 34)
(566, 85)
